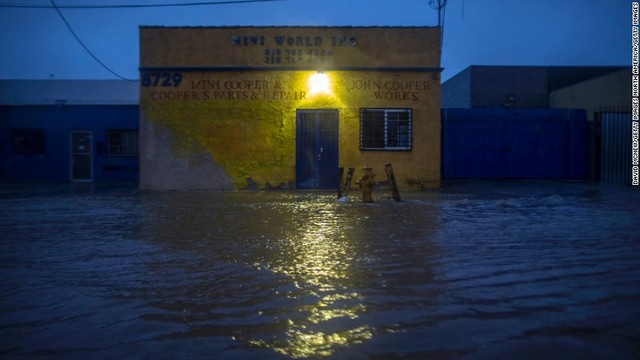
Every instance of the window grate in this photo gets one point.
(385, 129)
(28, 141)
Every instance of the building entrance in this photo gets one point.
(81, 156)
(316, 149)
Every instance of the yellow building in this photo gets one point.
(226, 108)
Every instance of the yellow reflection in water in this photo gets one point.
(301, 344)
(318, 258)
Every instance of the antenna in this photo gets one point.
(440, 6)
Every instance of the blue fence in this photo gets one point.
(615, 147)
(514, 144)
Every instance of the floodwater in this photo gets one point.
(476, 270)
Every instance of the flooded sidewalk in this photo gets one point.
(475, 270)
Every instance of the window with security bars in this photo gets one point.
(385, 129)
(28, 141)
(122, 142)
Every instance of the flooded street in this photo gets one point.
(486, 270)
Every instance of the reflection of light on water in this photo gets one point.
(317, 258)
(300, 344)
(320, 311)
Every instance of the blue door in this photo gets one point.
(317, 149)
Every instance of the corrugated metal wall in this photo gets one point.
(514, 144)
(615, 147)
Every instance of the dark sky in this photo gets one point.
(36, 43)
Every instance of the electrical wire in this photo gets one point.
(85, 46)
(203, 3)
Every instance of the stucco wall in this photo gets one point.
(250, 46)
(608, 91)
(509, 86)
(211, 121)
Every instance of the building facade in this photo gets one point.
(508, 98)
(606, 100)
(68, 130)
(514, 86)
(262, 107)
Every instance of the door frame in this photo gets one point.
(72, 152)
(325, 146)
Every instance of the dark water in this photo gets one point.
(474, 271)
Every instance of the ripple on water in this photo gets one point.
(461, 273)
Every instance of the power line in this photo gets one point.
(85, 46)
(204, 3)
(75, 35)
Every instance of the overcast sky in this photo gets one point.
(36, 44)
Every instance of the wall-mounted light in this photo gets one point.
(319, 83)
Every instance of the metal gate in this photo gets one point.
(514, 144)
(316, 149)
(615, 147)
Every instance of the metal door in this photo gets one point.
(81, 156)
(316, 149)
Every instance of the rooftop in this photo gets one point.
(69, 92)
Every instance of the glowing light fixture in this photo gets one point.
(319, 83)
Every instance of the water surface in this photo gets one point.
(479, 270)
